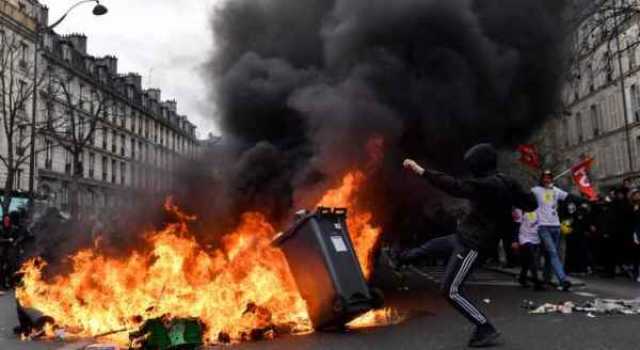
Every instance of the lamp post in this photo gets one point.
(98, 10)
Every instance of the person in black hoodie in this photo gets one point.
(617, 235)
(492, 196)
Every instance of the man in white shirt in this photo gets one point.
(548, 197)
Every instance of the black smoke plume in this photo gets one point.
(302, 86)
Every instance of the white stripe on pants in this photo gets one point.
(456, 297)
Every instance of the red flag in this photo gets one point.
(580, 174)
(529, 156)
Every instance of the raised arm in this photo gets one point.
(447, 183)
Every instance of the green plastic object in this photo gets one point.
(177, 334)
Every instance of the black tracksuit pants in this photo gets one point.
(461, 262)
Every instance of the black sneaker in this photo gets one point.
(566, 285)
(484, 336)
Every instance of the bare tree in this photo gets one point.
(17, 84)
(596, 37)
(73, 118)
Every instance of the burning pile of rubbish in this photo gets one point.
(244, 290)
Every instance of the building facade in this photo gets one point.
(602, 100)
(18, 23)
(139, 142)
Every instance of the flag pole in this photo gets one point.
(571, 168)
(563, 174)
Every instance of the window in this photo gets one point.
(114, 140)
(67, 162)
(632, 58)
(122, 144)
(133, 148)
(635, 102)
(18, 179)
(24, 55)
(123, 116)
(64, 195)
(592, 79)
(92, 103)
(595, 120)
(20, 149)
(48, 155)
(81, 99)
(105, 136)
(92, 137)
(114, 113)
(579, 128)
(92, 165)
(105, 109)
(22, 92)
(113, 171)
(81, 129)
(123, 173)
(105, 168)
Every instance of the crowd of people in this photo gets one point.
(596, 237)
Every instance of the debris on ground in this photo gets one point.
(591, 308)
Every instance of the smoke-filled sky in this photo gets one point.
(165, 41)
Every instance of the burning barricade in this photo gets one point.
(242, 290)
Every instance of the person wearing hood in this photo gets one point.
(492, 196)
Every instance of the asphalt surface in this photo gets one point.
(432, 324)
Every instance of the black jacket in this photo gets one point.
(492, 197)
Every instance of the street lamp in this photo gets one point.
(98, 10)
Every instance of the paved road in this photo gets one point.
(434, 325)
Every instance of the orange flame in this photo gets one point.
(363, 234)
(243, 286)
